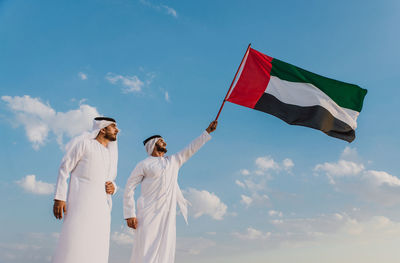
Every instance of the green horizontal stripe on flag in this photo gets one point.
(346, 95)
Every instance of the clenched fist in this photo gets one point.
(110, 188)
(132, 222)
(212, 126)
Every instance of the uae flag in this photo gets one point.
(297, 96)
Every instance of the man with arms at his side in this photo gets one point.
(91, 159)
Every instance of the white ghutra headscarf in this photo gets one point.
(150, 143)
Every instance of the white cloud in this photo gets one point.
(347, 165)
(244, 172)
(276, 221)
(253, 186)
(252, 234)
(193, 245)
(31, 185)
(166, 96)
(164, 8)
(130, 83)
(29, 105)
(336, 227)
(340, 169)
(123, 238)
(82, 75)
(170, 11)
(205, 203)
(40, 119)
(341, 224)
(379, 178)
(255, 199)
(266, 163)
(287, 164)
(275, 213)
(376, 186)
(377, 225)
(306, 228)
(240, 184)
(255, 183)
(369, 185)
(27, 247)
(349, 154)
(20, 247)
(338, 216)
(246, 200)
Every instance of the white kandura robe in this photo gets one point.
(155, 236)
(85, 231)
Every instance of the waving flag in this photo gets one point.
(297, 96)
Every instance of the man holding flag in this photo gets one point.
(154, 218)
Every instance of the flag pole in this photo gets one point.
(233, 81)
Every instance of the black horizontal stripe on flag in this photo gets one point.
(316, 117)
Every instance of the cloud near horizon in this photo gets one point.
(252, 234)
(353, 177)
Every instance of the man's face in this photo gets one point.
(161, 145)
(111, 132)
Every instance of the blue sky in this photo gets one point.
(263, 191)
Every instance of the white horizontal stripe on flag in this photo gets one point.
(306, 94)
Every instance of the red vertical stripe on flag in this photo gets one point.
(253, 80)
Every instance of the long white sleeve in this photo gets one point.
(134, 179)
(184, 155)
(68, 164)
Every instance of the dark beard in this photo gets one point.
(110, 137)
(161, 149)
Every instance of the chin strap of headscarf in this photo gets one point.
(112, 147)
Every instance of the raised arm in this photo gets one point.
(184, 155)
(68, 163)
(134, 179)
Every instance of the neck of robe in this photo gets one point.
(156, 153)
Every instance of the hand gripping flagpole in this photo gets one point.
(233, 81)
